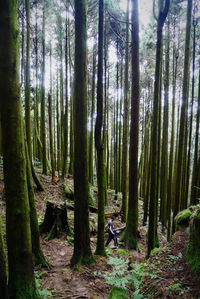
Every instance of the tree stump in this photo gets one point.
(55, 220)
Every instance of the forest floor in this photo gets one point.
(164, 275)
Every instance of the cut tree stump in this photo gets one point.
(55, 220)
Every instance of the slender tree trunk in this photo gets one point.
(91, 155)
(152, 231)
(191, 111)
(164, 155)
(130, 235)
(53, 175)
(179, 175)
(65, 123)
(171, 156)
(194, 183)
(43, 120)
(99, 141)
(125, 126)
(82, 250)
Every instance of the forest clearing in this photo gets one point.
(165, 275)
(99, 149)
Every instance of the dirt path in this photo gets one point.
(165, 275)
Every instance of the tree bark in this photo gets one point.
(21, 282)
(82, 250)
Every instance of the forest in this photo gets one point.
(99, 124)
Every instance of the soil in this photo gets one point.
(166, 274)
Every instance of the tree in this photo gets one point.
(154, 130)
(125, 125)
(179, 174)
(131, 232)
(82, 251)
(43, 125)
(99, 142)
(21, 283)
(53, 175)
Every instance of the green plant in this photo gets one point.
(44, 293)
(118, 293)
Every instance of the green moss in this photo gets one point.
(182, 218)
(154, 251)
(118, 293)
(193, 248)
(123, 252)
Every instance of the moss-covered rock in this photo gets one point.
(193, 248)
(182, 219)
(118, 293)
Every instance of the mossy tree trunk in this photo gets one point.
(194, 183)
(131, 232)
(179, 174)
(82, 250)
(191, 110)
(152, 231)
(99, 142)
(21, 282)
(125, 126)
(38, 256)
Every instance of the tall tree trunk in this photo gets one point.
(43, 119)
(194, 183)
(152, 231)
(130, 235)
(82, 250)
(125, 125)
(179, 175)
(58, 127)
(171, 155)
(164, 155)
(65, 123)
(191, 110)
(21, 282)
(53, 175)
(91, 155)
(99, 141)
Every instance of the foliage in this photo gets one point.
(193, 248)
(176, 289)
(45, 293)
(91, 197)
(121, 278)
(118, 293)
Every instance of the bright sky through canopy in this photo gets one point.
(145, 10)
